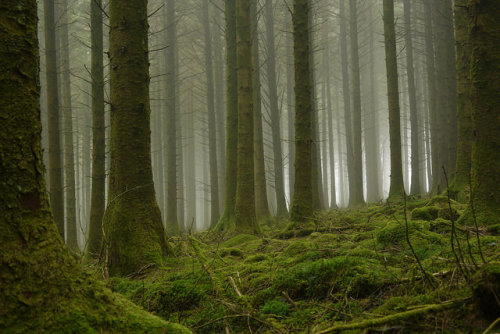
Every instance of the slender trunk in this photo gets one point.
(227, 220)
(98, 143)
(55, 155)
(356, 197)
(212, 135)
(290, 97)
(347, 98)
(261, 203)
(279, 185)
(172, 224)
(331, 145)
(397, 186)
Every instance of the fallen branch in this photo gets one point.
(492, 326)
(235, 287)
(393, 317)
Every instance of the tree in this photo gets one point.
(356, 196)
(302, 202)
(261, 203)
(97, 205)
(134, 234)
(279, 183)
(464, 107)
(227, 220)
(397, 187)
(484, 33)
(212, 135)
(410, 73)
(171, 222)
(55, 156)
(245, 219)
(36, 267)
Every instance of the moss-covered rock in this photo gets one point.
(486, 290)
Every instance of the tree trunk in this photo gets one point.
(347, 98)
(356, 197)
(261, 203)
(212, 135)
(227, 220)
(484, 34)
(415, 149)
(55, 154)
(302, 202)
(290, 97)
(397, 187)
(464, 107)
(134, 234)
(279, 184)
(98, 134)
(172, 224)
(245, 219)
(39, 278)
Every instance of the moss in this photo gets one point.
(298, 247)
(239, 240)
(276, 307)
(425, 213)
(486, 290)
(394, 233)
(256, 258)
(494, 229)
(236, 252)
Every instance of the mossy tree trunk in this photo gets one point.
(484, 30)
(97, 205)
(356, 197)
(134, 234)
(261, 202)
(410, 73)
(171, 222)
(55, 154)
(212, 135)
(397, 187)
(245, 219)
(227, 220)
(302, 202)
(42, 287)
(279, 183)
(464, 108)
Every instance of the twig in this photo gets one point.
(290, 300)
(235, 287)
(392, 318)
(492, 326)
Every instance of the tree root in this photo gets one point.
(393, 317)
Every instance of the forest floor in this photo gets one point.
(348, 270)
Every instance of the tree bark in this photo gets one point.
(397, 187)
(302, 202)
(133, 230)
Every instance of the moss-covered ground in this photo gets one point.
(346, 267)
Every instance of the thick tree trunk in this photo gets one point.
(227, 220)
(356, 197)
(245, 219)
(464, 107)
(98, 134)
(302, 202)
(484, 34)
(39, 278)
(212, 135)
(134, 234)
(261, 203)
(55, 154)
(397, 187)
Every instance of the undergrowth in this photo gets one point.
(345, 267)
